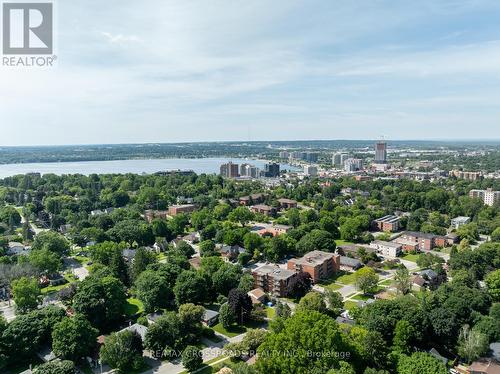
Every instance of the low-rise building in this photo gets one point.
(257, 295)
(318, 264)
(388, 223)
(150, 215)
(287, 203)
(230, 253)
(178, 209)
(264, 209)
(422, 241)
(459, 221)
(387, 249)
(349, 264)
(210, 317)
(273, 280)
(17, 249)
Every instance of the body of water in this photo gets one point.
(198, 165)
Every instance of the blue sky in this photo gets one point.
(167, 71)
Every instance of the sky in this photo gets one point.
(183, 70)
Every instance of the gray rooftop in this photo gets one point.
(314, 258)
(275, 272)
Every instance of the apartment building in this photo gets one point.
(229, 170)
(264, 209)
(388, 223)
(387, 249)
(459, 221)
(421, 241)
(287, 203)
(150, 215)
(273, 280)
(488, 196)
(318, 264)
(178, 209)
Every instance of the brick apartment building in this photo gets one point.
(150, 215)
(178, 209)
(264, 209)
(421, 241)
(273, 280)
(287, 203)
(387, 223)
(255, 198)
(318, 264)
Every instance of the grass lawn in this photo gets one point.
(410, 257)
(350, 304)
(233, 331)
(270, 312)
(134, 306)
(386, 282)
(339, 277)
(206, 368)
(50, 289)
(361, 297)
(349, 278)
(81, 259)
(333, 286)
(342, 242)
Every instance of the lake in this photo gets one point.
(198, 165)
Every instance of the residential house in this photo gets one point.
(349, 264)
(210, 317)
(484, 366)
(17, 249)
(387, 249)
(137, 329)
(318, 264)
(230, 253)
(128, 254)
(273, 280)
(258, 296)
(255, 198)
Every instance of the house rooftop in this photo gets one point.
(347, 261)
(388, 219)
(138, 329)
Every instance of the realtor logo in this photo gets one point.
(27, 29)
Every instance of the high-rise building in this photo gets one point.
(488, 196)
(272, 170)
(353, 164)
(310, 170)
(229, 170)
(284, 154)
(338, 159)
(380, 152)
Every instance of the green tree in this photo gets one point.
(493, 282)
(192, 358)
(56, 367)
(26, 294)
(164, 335)
(74, 338)
(101, 300)
(421, 363)
(402, 278)
(123, 351)
(366, 280)
(207, 248)
(152, 290)
(242, 215)
(142, 259)
(226, 316)
(52, 241)
(45, 261)
(302, 333)
(312, 301)
(316, 240)
(404, 335)
(334, 301)
(190, 316)
(190, 287)
(240, 304)
(226, 278)
(246, 283)
(472, 344)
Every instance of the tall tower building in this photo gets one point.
(381, 153)
(229, 170)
